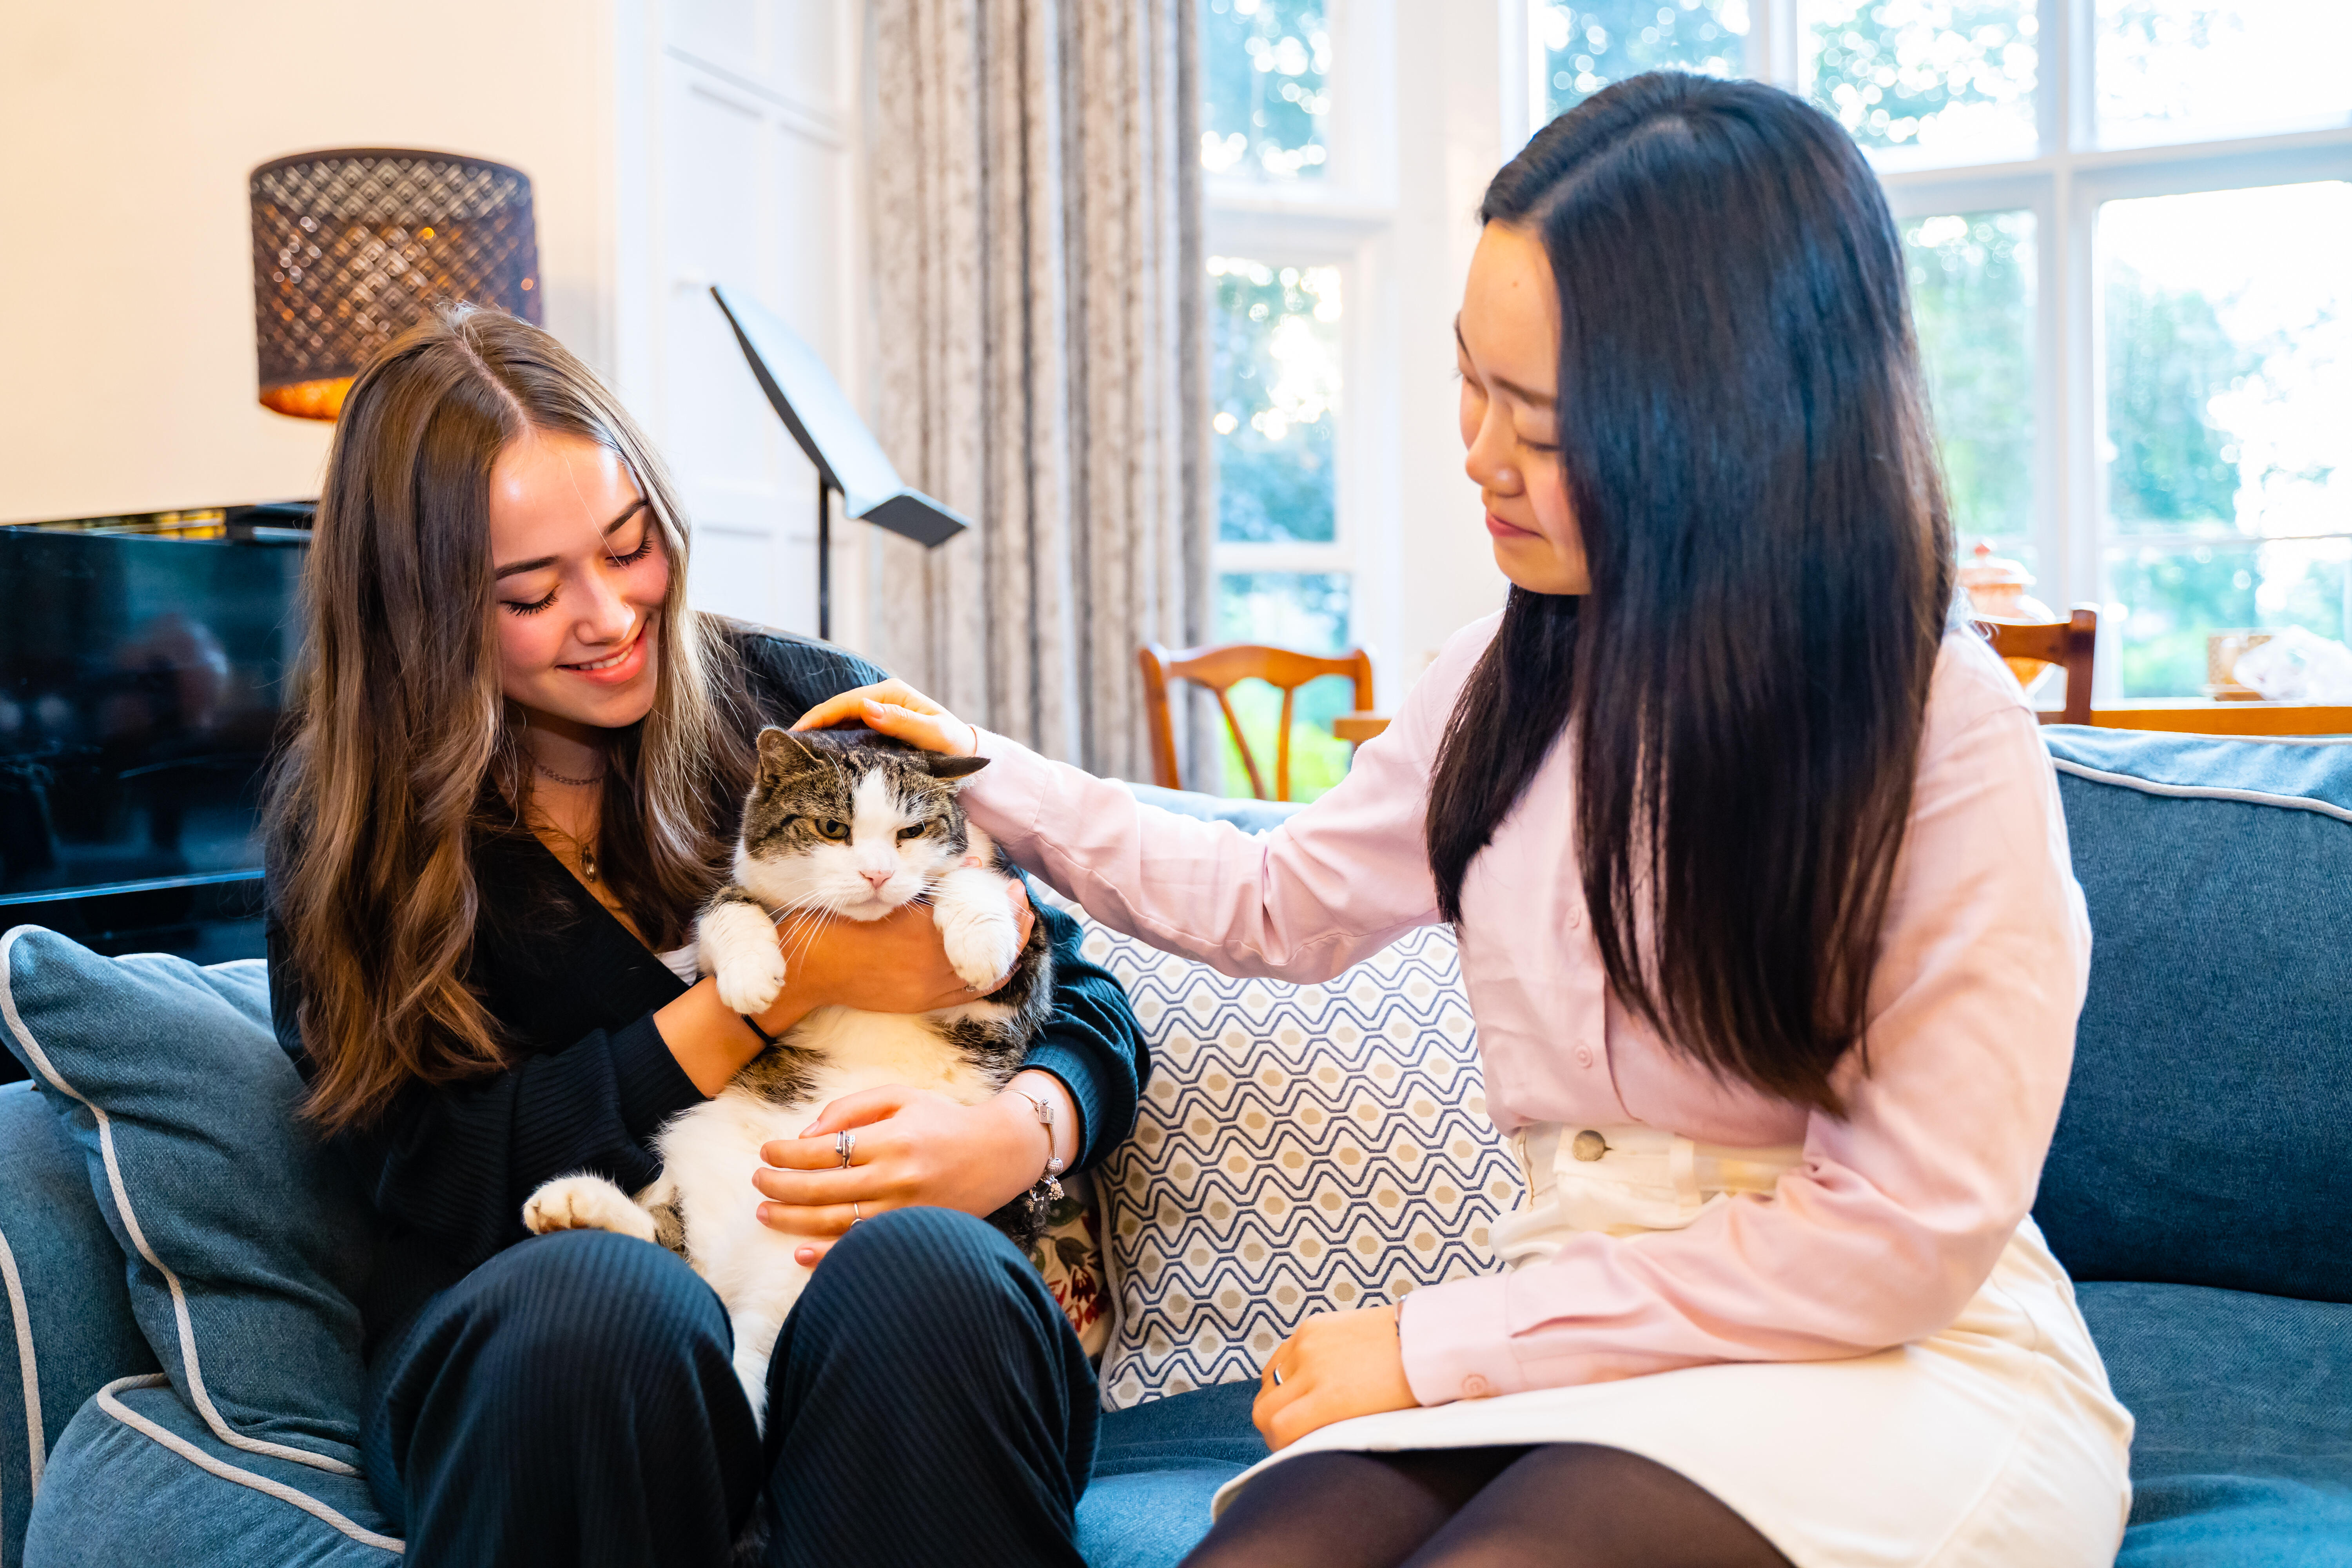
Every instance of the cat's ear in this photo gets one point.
(783, 753)
(952, 767)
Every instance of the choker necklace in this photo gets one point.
(559, 778)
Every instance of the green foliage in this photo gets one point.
(1589, 45)
(1887, 69)
(1972, 307)
(2176, 597)
(1273, 422)
(1264, 87)
(2166, 357)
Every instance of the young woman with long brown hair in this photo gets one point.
(518, 766)
(1765, 910)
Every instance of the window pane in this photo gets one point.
(2229, 326)
(1274, 340)
(2228, 404)
(1303, 610)
(1972, 300)
(1949, 80)
(1587, 47)
(2169, 70)
(2173, 598)
(1265, 87)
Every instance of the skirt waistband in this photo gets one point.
(1624, 1179)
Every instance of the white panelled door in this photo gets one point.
(752, 131)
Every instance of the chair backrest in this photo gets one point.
(1217, 668)
(2070, 643)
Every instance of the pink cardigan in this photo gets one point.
(1897, 1214)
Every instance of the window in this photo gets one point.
(1295, 220)
(2126, 224)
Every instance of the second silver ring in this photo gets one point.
(845, 1143)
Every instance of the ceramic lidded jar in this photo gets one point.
(1996, 589)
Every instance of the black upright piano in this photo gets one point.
(143, 662)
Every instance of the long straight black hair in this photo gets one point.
(1750, 466)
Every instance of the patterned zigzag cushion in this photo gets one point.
(1301, 1148)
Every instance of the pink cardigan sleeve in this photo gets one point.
(1898, 1211)
(1342, 878)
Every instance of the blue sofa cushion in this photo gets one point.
(1156, 1467)
(138, 1478)
(2227, 1382)
(246, 1242)
(2201, 1139)
(69, 1325)
(2243, 1455)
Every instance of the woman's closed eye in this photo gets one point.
(647, 539)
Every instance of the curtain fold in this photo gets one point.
(1035, 204)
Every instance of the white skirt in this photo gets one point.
(1997, 1442)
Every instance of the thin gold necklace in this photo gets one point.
(585, 853)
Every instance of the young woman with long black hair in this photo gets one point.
(519, 768)
(1765, 910)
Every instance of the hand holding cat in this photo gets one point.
(896, 709)
(1336, 1366)
(895, 964)
(915, 1149)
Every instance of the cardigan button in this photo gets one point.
(1476, 1387)
(1588, 1146)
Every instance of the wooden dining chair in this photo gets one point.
(1217, 668)
(2070, 643)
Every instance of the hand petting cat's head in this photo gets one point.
(849, 822)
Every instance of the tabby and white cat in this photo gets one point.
(840, 822)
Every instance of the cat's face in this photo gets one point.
(849, 822)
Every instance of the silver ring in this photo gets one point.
(844, 1142)
(855, 1213)
(1277, 1376)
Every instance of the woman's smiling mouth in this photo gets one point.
(616, 668)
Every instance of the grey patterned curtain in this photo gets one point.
(1036, 241)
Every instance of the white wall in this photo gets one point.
(1451, 111)
(127, 130)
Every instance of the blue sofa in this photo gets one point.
(2195, 1189)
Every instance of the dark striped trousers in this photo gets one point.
(572, 1401)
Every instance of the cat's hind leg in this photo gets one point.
(585, 1203)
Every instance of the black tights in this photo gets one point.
(1567, 1505)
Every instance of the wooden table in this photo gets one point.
(2202, 716)
(1357, 728)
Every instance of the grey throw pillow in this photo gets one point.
(245, 1242)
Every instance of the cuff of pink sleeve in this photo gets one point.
(1009, 794)
(1456, 1342)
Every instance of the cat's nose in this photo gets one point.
(878, 878)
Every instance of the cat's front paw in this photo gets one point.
(753, 983)
(976, 924)
(585, 1203)
(739, 948)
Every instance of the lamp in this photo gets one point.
(848, 460)
(350, 247)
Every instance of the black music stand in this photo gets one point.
(848, 460)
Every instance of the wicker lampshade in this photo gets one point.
(351, 245)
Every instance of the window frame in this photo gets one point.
(2064, 185)
(1343, 218)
